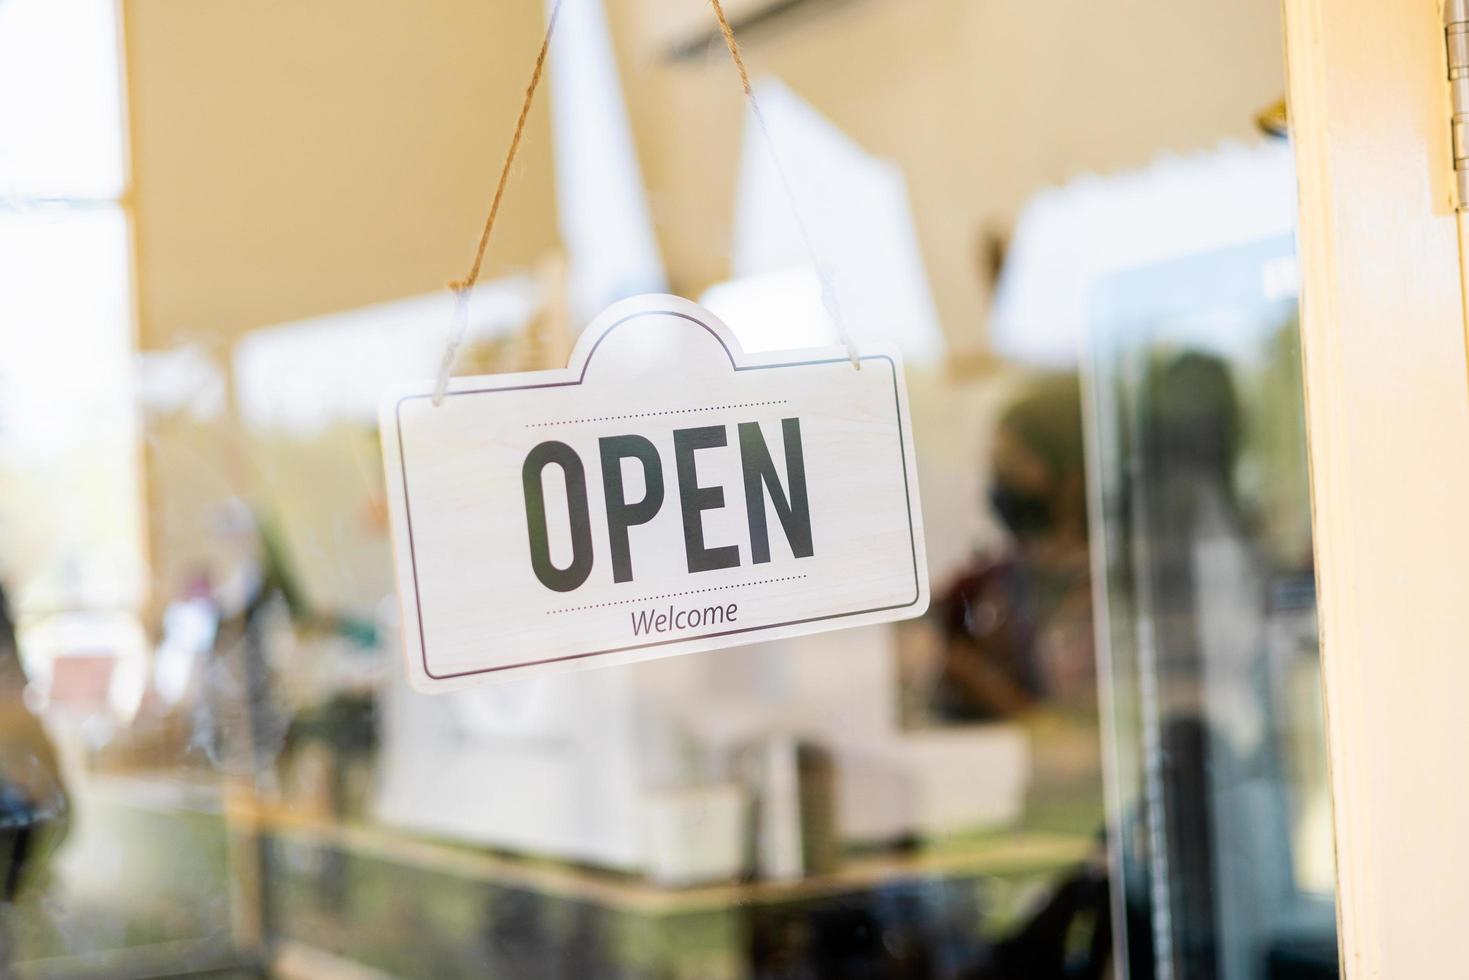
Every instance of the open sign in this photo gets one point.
(665, 493)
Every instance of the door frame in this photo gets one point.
(1387, 407)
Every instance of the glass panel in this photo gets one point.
(1220, 805)
(227, 771)
(61, 127)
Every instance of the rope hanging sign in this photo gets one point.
(666, 492)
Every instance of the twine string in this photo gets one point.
(824, 274)
(462, 287)
(530, 98)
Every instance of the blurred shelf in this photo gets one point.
(998, 854)
(344, 918)
(1005, 854)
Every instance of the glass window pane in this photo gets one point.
(1222, 822)
(239, 774)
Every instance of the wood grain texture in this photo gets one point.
(799, 513)
(1388, 416)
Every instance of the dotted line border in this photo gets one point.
(644, 415)
(673, 595)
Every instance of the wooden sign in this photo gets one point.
(665, 493)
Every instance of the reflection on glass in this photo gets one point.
(1218, 796)
(210, 760)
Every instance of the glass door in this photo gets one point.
(1219, 807)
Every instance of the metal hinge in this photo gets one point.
(1456, 37)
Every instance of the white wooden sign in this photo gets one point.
(665, 493)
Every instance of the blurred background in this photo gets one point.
(225, 228)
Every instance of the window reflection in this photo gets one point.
(1222, 841)
(1100, 754)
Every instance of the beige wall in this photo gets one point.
(981, 102)
(295, 158)
(292, 158)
